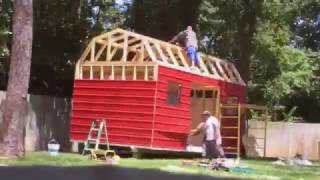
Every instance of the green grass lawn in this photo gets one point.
(262, 169)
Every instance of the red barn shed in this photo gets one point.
(149, 95)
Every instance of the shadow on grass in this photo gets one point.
(91, 173)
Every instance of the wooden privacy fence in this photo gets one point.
(284, 140)
(258, 113)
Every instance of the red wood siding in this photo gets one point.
(137, 112)
(172, 123)
(127, 106)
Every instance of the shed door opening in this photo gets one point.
(202, 99)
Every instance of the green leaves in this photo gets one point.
(280, 70)
(5, 11)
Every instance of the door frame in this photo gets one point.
(204, 87)
(215, 100)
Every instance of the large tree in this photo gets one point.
(283, 72)
(163, 18)
(228, 28)
(14, 107)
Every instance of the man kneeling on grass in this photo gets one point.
(212, 138)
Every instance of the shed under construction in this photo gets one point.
(150, 96)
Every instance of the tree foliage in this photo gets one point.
(274, 43)
(263, 35)
(5, 11)
(278, 69)
(228, 28)
(281, 71)
(164, 18)
(62, 28)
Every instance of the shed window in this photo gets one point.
(210, 94)
(174, 93)
(199, 93)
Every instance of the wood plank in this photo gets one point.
(162, 56)
(202, 65)
(173, 59)
(225, 77)
(134, 72)
(146, 73)
(100, 41)
(112, 72)
(100, 51)
(217, 60)
(239, 133)
(213, 69)
(92, 52)
(155, 72)
(91, 72)
(85, 53)
(104, 35)
(101, 73)
(117, 63)
(153, 40)
(120, 46)
(77, 70)
(81, 73)
(215, 73)
(125, 48)
(108, 55)
(232, 68)
(211, 58)
(113, 52)
(133, 40)
(149, 50)
(183, 59)
(118, 38)
(236, 72)
(231, 76)
(136, 46)
(134, 59)
(123, 73)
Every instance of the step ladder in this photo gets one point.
(230, 117)
(98, 129)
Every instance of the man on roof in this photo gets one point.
(188, 39)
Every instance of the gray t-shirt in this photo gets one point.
(189, 38)
(210, 128)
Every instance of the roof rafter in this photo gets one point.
(125, 46)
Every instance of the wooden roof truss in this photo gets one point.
(133, 52)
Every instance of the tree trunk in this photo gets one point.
(162, 19)
(14, 108)
(247, 27)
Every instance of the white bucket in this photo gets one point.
(53, 149)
